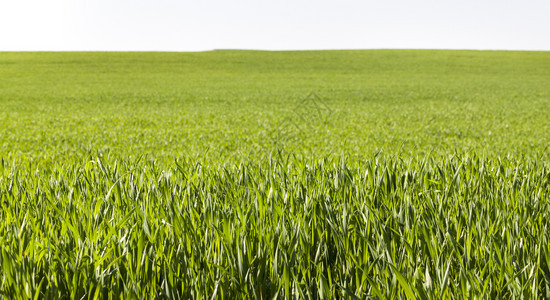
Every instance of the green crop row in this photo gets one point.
(386, 228)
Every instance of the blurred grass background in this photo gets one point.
(235, 105)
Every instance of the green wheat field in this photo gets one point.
(372, 174)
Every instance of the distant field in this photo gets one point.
(247, 174)
(242, 104)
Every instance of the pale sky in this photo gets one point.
(170, 25)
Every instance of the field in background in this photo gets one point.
(319, 174)
(241, 104)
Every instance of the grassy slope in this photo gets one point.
(243, 103)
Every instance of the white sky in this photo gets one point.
(170, 25)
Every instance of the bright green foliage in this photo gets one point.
(237, 174)
(246, 104)
(461, 227)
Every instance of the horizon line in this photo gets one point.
(285, 50)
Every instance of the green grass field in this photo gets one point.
(378, 174)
